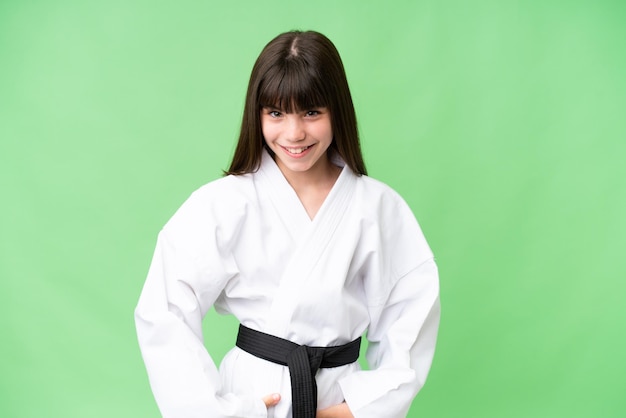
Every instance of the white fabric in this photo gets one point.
(246, 245)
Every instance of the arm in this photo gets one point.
(186, 276)
(402, 338)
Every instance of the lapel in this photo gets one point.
(311, 238)
(283, 199)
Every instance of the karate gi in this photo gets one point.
(246, 245)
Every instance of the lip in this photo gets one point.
(300, 155)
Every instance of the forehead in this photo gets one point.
(292, 108)
(292, 89)
(291, 104)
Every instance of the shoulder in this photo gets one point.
(218, 201)
(395, 223)
(226, 190)
(373, 185)
(381, 198)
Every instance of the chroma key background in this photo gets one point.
(500, 122)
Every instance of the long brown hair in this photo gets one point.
(298, 71)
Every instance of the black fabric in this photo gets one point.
(303, 363)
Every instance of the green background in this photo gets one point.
(502, 124)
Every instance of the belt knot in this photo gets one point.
(303, 362)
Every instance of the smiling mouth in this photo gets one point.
(298, 150)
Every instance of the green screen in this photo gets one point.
(501, 123)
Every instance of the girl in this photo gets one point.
(306, 251)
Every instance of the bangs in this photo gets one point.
(293, 87)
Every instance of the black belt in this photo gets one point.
(303, 363)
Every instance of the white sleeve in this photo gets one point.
(402, 338)
(186, 276)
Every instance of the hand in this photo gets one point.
(337, 411)
(271, 400)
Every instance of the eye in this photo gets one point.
(312, 112)
(274, 113)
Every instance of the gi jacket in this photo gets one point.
(246, 245)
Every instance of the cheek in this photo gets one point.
(267, 131)
(328, 131)
(328, 134)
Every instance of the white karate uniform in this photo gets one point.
(246, 245)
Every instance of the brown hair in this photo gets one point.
(298, 71)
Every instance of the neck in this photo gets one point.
(313, 185)
(321, 175)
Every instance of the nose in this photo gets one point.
(295, 131)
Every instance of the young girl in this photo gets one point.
(306, 251)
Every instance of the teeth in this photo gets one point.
(297, 150)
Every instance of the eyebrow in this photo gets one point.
(272, 107)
